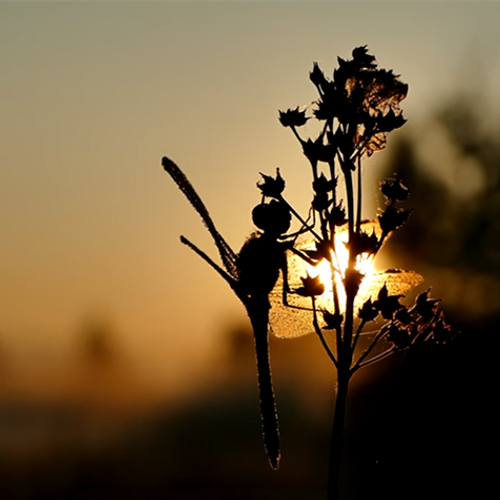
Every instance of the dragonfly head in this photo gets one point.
(274, 218)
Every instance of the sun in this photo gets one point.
(340, 259)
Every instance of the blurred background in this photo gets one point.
(126, 364)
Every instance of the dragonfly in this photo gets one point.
(266, 293)
(252, 274)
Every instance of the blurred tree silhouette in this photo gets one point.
(456, 189)
(97, 342)
(452, 168)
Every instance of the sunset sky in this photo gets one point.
(92, 95)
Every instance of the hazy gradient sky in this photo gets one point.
(92, 95)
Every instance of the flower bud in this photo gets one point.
(272, 187)
(317, 76)
(333, 321)
(367, 312)
(400, 337)
(311, 287)
(293, 118)
(394, 189)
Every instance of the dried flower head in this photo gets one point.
(293, 118)
(272, 187)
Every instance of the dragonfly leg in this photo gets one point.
(304, 257)
(286, 284)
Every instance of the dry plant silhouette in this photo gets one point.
(327, 277)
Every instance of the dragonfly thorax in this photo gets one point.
(259, 262)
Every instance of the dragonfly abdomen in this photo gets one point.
(258, 310)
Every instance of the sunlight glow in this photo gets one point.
(364, 264)
(295, 319)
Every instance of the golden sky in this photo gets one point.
(92, 95)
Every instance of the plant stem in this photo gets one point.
(337, 437)
(350, 209)
(298, 216)
(344, 353)
(360, 186)
(321, 336)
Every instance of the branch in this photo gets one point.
(321, 336)
(336, 305)
(302, 221)
(358, 219)
(358, 333)
(377, 358)
(360, 147)
(297, 135)
(381, 333)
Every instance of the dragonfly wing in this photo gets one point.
(293, 320)
(397, 281)
(226, 253)
(297, 319)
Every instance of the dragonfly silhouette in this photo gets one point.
(252, 275)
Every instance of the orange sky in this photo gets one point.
(93, 95)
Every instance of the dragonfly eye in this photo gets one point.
(273, 218)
